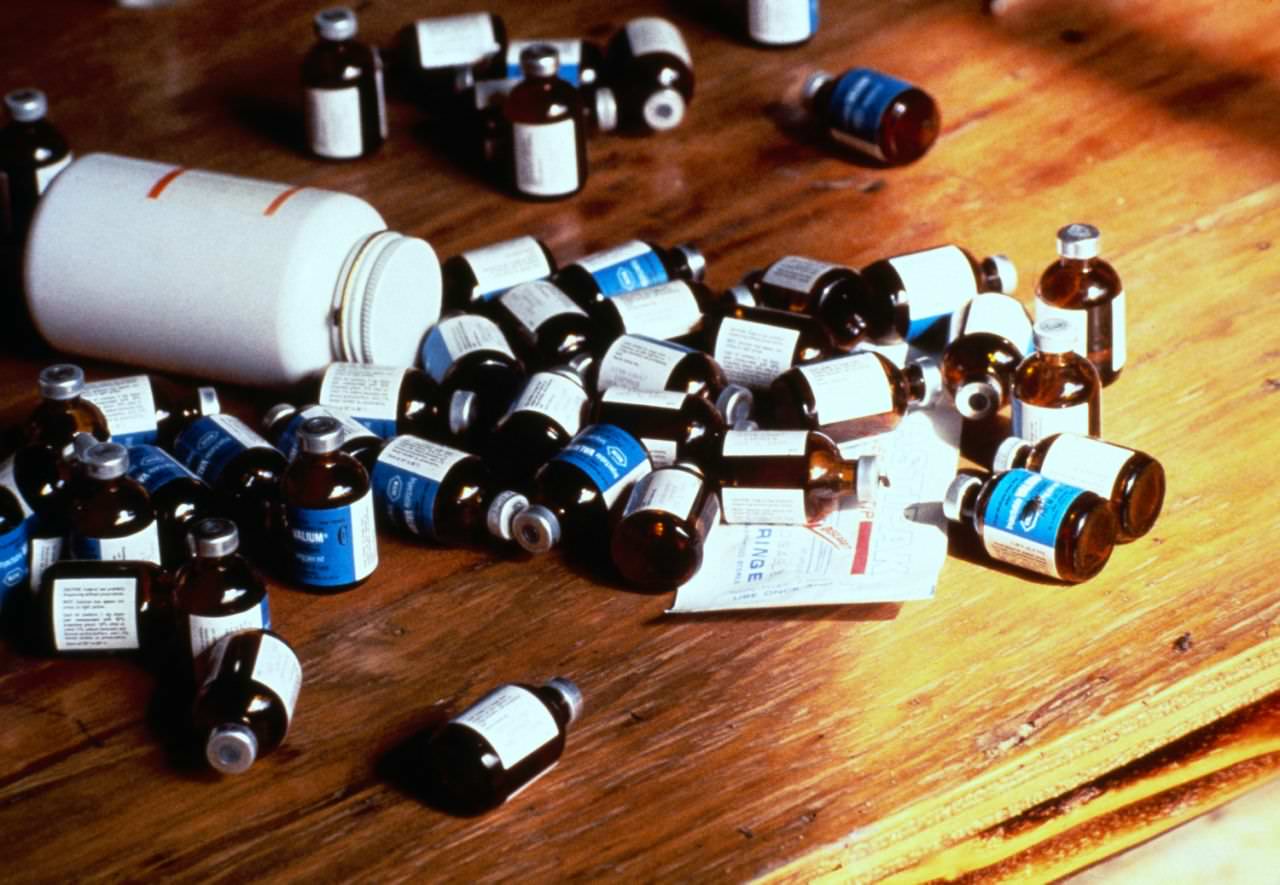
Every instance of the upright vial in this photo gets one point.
(15, 553)
(179, 497)
(672, 426)
(637, 362)
(501, 744)
(216, 592)
(548, 139)
(391, 400)
(877, 115)
(40, 480)
(1132, 481)
(988, 338)
(754, 345)
(114, 519)
(790, 477)
(669, 310)
(149, 409)
(479, 275)
(32, 152)
(544, 417)
(282, 422)
(852, 396)
(1055, 390)
(245, 707)
(327, 512)
(1035, 523)
(658, 542)
(781, 22)
(346, 111)
(652, 73)
(94, 607)
(1086, 292)
(637, 264)
(467, 352)
(544, 325)
(63, 412)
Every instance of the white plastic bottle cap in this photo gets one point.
(1004, 270)
(389, 298)
(502, 512)
(953, 500)
(978, 399)
(570, 694)
(26, 105)
(664, 110)
(536, 529)
(338, 23)
(1054, 335)
(231, 749)
(1078, 241)
(606, 109)
(1007, 453)
(869, 478)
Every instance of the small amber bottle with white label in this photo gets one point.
(989, 337)
(755, 344)
(245, 707)
(392, 400)
(544, 325)
(89, 607)
(1086, 291)
(112, 516)
(468, 352)
(671, 425)
(500, 744)
(541, 421)
(834, 294)
(346, 112)
(1036, 523)
(548, 138)
(149, 409)
(636, 264)
(41, 481)
(790, 477)
(651, 70)
(670, 310)
(877, 115)
(63, 411)
(479, 275)
(638, 362)
(216, 592)
(1055, 389)
(1132, 481)
(179, 498)
(281, 423)
(657, 544)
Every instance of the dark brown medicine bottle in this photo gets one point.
(392, 400)
(245, 707)
(852, 396)
(547, 136)
(544, 325)
(281, 424)
(790, 477)
(541, 421)
(1055, 390)
(346, 112)
(876, 114)
(1086, 291)
(480, 275)
(501, 744)
(672, 426)
(637, 362)
(1132, 481)
(41, 481)
(989, 337)
(179, 498)
(149, 409)
(443, 55)
(834, 294)
(468, 352)
(91, 607)
(112, 517)
(651, 71)
(636, 264)
(217, 591)
(754, 345)
(1036, 523)
(15, 554)
(669, 310)
(657, 544)
(63, 412)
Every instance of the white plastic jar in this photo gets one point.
(222, 277)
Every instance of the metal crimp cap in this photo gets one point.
(462, 411)
(735, 403)
(695, 259)
(870, 477)
(931, 376)
(338, 23)
(26, 105)
(1007, 453)
(1054, 335)
(953, 500)
(739, 294)
(503, 509)
(1004, 270)
(61, 381)
(231, 749)
(276, 412)
(606, 109)
(1078, 241)
(540, 60)
(570, 694)
(213, 537)
(536, 529)
(106, 460)
(812, 84)
(320, 434)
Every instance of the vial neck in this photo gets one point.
(916, 387)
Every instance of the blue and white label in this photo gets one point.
(937, 283)
(625, 268)
(141, 546)
(369, 394)
(209, 444)
(333, 546)
(500, 266)
(352, 428)
(129, 406)
(406, 481)
(858, 102)
(569, 51)
(154, 468)
(453, 338)
(1023, 517)
(15, 551)
(609, 457)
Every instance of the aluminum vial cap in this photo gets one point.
(26, 105)
(338, 23)
(570, 694)
(580, 364)
(106, 460)
(209, 402)
(812, 84)
(320, 435)
(61, 381)
(502, 512)
(213, 537)
(870, 476)
(953, 500)
(536, 529)
(696, 260)
(389, 298)
(540, 60)
(978, 399)
(81, 443)
(1054, 335)
(277, 412)
(931, 375)
(1005, 272)
(745, 424)
(462, 411)
(740, 294)
(1078, 241)
(735, 403)
(664, 110)
(231, 749)
(606, 109)
(1009, 452)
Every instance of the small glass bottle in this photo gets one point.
(501, 744)
(548, 139)
(633, 265)
(581, 61)
(877, 115)
(245, 707)
(114, 519)
(549, 411)
(63, 412)
(479, 275)
(281, 423)
(32, 152)
(669, 310)
(781, 22)
(179, 497)
(391, 400)
(790, 477)
(672, 426)
(834, 294)
(988, 338)
(657, 544)
(852, 396)
(469, 352)
(216, 592)
(652, 73)
(15, 553)
(754, 345)
(86, 606)
(327, 512)
(1055, 389)
(543, 324)
(1132, 481)
(574, 493)
(445, 53)
(636, 362)
(342, 85)
(1086, 291)
(41, 482)
(1036, 523)
(149, 409)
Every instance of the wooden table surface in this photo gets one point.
(960, 735)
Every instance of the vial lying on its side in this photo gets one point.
(879, 115)
(657, 545)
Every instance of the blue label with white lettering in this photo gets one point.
(325, 544)
(206, 449)
(15, 567)
(638, 272)
(859, 100)
(607, 455)
(406, 498)
(155, 468)
(1030, 506)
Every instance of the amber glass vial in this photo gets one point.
(672, 426)
(149, 409)
(548, 139)
(651, 71)
(467, 352)
(637, 362)
(657, 545)
(282, 422)
(393, 400)
(501, 744)
(543, 324)
(1132, 481)
(990, 336)
(835, 294)
(245, 707)
(432, 491)
(876, 114)
(63, 412)
(346, 111)
(217, 591)
(89, 607)
(636, 264)
(1055, 390)
(542, 420)
(15, 553)
(112, 516)
(1036, 523)
(179, 497)
(480, 275)
(1086, 291)
(32, 152)
(670, 310)
(41, 481)
(754, 345)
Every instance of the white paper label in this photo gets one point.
(46, 174)
(638, 364)
(421, 456)
(546, 156)
(759, 443)
(673, 491)
(652, 34)
(753, 354)
(660, 399)
(795, 273)
(557, 397)
(1076, 320)
(465, 334)
(532, 304)
(95, 614)
(997, 314)
(240, 432)
(662, 452)
(9, 480)
(1034, 423)
(44, 553)
(142, 546)
(1119, 342)
(333, 122)
(763, 506)
(507, 264)
(779, 21)
(937, 281)
(1017, 550)
(128, 404)
(848, 387)
(667, 310)
(455, 40)
(514, 721)
(364, 533)
(277, 667)
(617, 255)
(363, 390)
(1085, 463)
(205, 630)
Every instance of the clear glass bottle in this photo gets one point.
(480, 275)
(636, 264)
(500, 744)
(657, 544)
(669, 310)
(245, 707)
(672, 426)
(443, 55)
(781, 22)
(543, 324)
(1132, 481)
(114, 519)
(1086, 291)
(149, 409)
(877, 115)
(281, 423)
(1055, 390)
(216, 592)
(344, 100)
(988, 338)
(1035, 523)
(852, 396)
(651, 71)
(392, 400)
(469, 352)
(636, 362)
(575, 493)
(179, 497)
(41, 482)
(548, 139)
(790, 477)
(754, 345)
(327, 512)
(549, 411)
(92, 607)
(63, 412)
(15, 554)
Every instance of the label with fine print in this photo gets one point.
(848, 387)
(142, 546)
(546, 157)
(369, 394)
(278, 668)
(753, 354)
(796, 273)
(754, 506)
(639, 363)
(652, 34)
(670, 400)
(1034, 423)
(129, 406)
(406, 479)
(455, 40)
(858, 102)
(609, 457)
(667, 310)
(937, 282)
(624, 268)
(672, 490)
(1023, 517)
(453, 338)
(513, 720)
(1085, 463)
(555, 396)
(205, 630)
(532, 304)
(209, 444)
(333, 546)
(764, 443)
(95, 614)
(502, 265)
(334, 126)
(154, 468)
